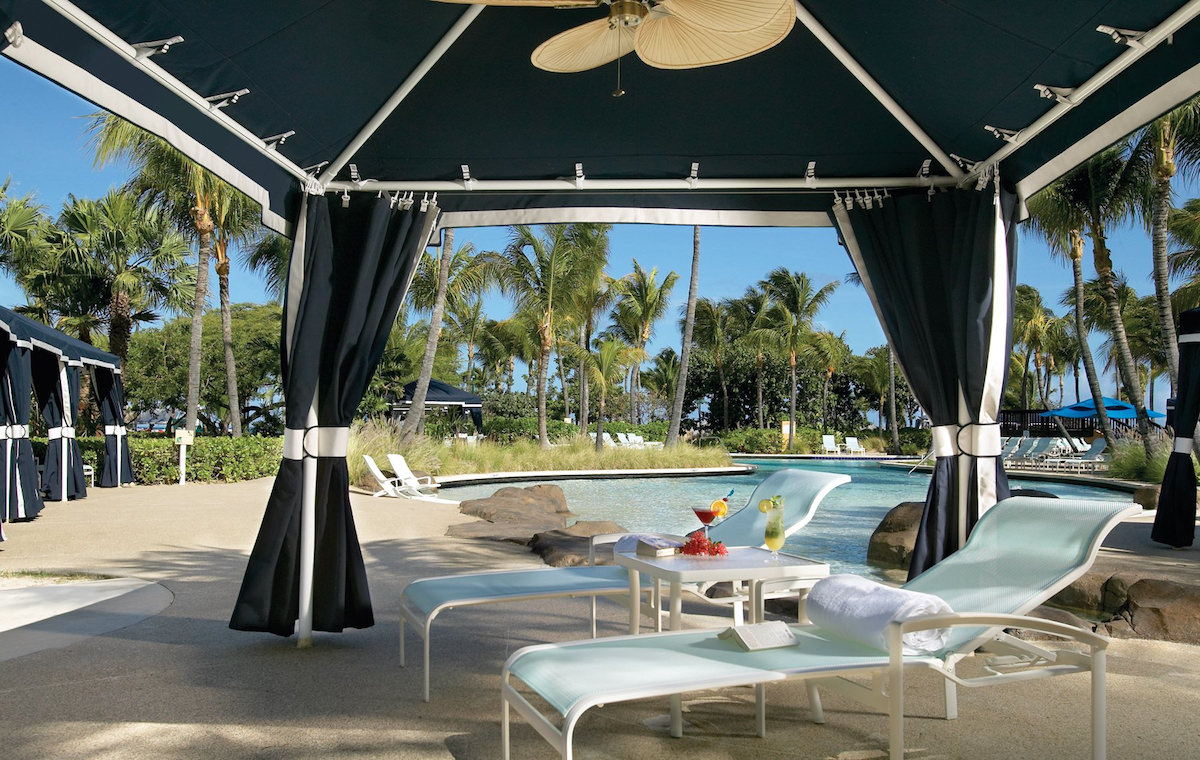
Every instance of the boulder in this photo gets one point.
(514, 514)
(1163, 609)
(1085, 594)
(892, 542)
(568, 547)
(1055, 615)
(1147, 497)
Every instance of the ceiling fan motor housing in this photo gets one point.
(627, 13)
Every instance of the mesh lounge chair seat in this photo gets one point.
(829, 445)
(423, 599)
(853, 446)
(1022, 552)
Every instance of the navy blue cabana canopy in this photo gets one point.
(856, 118)
(445, 395)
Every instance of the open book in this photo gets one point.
(769, 635)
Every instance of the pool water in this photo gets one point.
(838, 533)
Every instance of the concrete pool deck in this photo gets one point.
(180, 684)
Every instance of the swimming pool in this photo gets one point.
(838, 534)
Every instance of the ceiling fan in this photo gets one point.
(666, 34)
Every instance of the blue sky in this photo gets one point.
(43, 149)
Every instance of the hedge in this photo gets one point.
(156, 458)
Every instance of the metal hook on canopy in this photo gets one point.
(345, 199)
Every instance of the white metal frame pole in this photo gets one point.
(66, 422)
(402, 92)
(308, 526)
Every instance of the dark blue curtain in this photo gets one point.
(22, 500)
(335, 329)
(48, 387)
(930, 264)
(1175, 520)
(110, 395)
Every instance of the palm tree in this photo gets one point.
(748, 317)
(660, 379)
(268, 255)
(712, 332)
(873, 369)
(795, 305)
(605, 367)
(1057, 214)
(539, 273)
(188, 191)
(458, 275)
(1185, 259)
(686, 349)
(831, 352)
(467, 321)
(1171, 137)
(22, 228)
(128, 253)
(592, 297)
(641, 301)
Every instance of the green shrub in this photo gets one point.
(1129, 462)
(753, 441)
(156, 458)
(507, 430)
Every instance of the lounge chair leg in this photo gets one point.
(1099, 703)
(425, 643)
(814, 703)
(760, 710)
(401, 641)
(677, 715)
(504, 740)
(951, 699)
(896, 714)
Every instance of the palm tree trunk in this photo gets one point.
(1085, 351)
(543, 367)
(204, 226)
(724, 398)
(120, 325)
(562, 382)
(600, 425)
(1075, 373)
(584, 386)
(416, 410)
(792, 406)
(892, 401)
(758, 387)
(1128, 370)
(1160, 209)
(685, 351)
(231, 387)
(825, 405)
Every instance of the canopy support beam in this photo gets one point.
(409, 84)
(664, 185)
(1130, 56)
(866, 80)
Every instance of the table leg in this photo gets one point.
(676, 605)
(756, 601)
(635, 602)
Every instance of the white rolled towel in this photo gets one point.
(860, 610)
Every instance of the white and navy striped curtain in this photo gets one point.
(350, 269)
(939, 271)
(56, 384)
(117, 469)
(1175, 520)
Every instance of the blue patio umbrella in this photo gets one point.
(1116, 409)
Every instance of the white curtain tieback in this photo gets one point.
(61, 432)
(115, 430)
(1182, 445)
(315, 442)
(13, 432)
(945, 440)
(981, 440)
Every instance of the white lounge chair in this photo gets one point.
(407, 487)
(853, 446)
(1022, 552)
(421, 483)
(423, 599)
(829, 445)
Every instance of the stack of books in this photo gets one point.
(655, 546)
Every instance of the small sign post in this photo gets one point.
(183, 438)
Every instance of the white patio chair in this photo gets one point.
(853, 446)
(829, 445)
(1022, 552)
